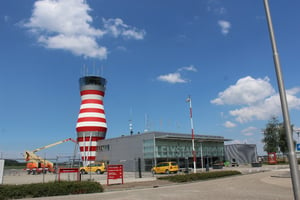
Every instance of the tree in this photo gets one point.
(283, 146)
(271, 136)
(275, 139)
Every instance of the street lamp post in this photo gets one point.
(201, 156)
(189, 99)
(284, 106)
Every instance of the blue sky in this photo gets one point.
(153, 55)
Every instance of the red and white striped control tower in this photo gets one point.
(91, 124)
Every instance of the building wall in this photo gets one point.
(242, 153)
(153, 147)
(123, 150)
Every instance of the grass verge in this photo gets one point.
(199, 176)
(48, 189)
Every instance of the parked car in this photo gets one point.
(99, 168)
(165, 167)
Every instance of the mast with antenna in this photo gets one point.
(130, 123)
(146, 123)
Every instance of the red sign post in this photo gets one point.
(115, 172)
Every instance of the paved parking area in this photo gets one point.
(250, 186)
(20, 177)
(267, 182)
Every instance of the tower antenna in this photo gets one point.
(94, 68)
(146, 123)
(130, 123)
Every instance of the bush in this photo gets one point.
(199, 176)
(48, 189)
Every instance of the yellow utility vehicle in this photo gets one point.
(98, 168)
(165, 167)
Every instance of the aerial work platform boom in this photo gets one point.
(54, 144)
(36, 164)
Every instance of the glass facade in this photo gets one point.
(180, 150)
(149, 149)
(173, 149)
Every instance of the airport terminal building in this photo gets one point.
(150, 148)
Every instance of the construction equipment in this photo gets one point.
(36, 164)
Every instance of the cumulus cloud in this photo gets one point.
(264, 109)
(247, 90)
(229, 124)
(66, 25)
(256, 99)
(176, 77)
(172, 78)
(117, 28)
(225, 26)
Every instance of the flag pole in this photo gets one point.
(193, 135)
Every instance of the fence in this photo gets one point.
(16, 173)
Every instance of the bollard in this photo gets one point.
(139, 168)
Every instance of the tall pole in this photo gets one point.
(201, 157)
(284, 107)
(193, 135)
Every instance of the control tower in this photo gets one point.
(91, 124)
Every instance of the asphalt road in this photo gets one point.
(262, 185)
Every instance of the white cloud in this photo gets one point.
(121, 48)
(65, 16)
(215, 7)
(229, 124)
(257, 98)
(264, 109)
(78, 45)
(176, 76)
(172, 78)
(225, 26)
(248, 134)
(66, 25)
(188, 68)
(247, 90)
(260, 111)
(249, 131)
(117, 28)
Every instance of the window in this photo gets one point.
(103, 148)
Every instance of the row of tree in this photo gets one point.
(275, 139)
